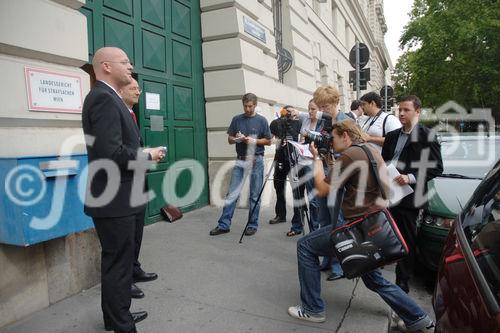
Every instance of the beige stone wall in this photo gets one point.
(23, 282)
(36, 276)
(50, 35)
(318, 35)
(42, 34)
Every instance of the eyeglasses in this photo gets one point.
(124, 62)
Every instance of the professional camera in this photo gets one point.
(323, 140)
(287, 126)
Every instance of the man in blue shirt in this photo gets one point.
(250, 132)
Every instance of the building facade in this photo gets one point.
(309, 39)
(193, 60)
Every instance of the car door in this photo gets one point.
(467, 294)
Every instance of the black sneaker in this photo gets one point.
(277, 219)
(250, 231)
(218, 231)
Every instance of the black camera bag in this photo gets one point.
(369, 242)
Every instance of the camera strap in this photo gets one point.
(373, 120)
(374, 170)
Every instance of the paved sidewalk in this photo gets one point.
(215, 284)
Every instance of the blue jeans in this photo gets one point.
(318, 243)
(325, 219)
(240, 172)
(306, 181)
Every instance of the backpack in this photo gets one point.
(383, 124)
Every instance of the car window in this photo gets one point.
(481, 225)
(469, 155)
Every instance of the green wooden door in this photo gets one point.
(162, 39)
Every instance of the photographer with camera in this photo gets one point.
(312, 122)
(327, 99)
(346, 173)
(309, 123)
(286, 127)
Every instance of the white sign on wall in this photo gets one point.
(253, 28)
(153, 101)
(51, 91)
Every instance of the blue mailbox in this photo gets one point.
(42, 198)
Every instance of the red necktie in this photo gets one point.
(133, 117)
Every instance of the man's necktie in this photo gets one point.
(133, 117)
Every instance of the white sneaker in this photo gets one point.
(299, 313)
(429, 329)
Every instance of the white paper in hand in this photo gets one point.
(397, 192)
(239, 139)
(303, 150)
(314, 133)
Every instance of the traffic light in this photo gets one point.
(364, 77)
(390, 104)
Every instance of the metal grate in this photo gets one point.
(285, 58)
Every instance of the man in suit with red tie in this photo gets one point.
(130, 95)
(406, 148)
(113, 199)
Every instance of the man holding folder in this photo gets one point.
(407, 148)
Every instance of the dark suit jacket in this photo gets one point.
(106, 118)
(412, 152)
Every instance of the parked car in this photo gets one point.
(466, 159)
(467, 293)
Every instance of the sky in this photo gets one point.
(396, 17)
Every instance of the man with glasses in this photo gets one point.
(130, 95)
(113, 142)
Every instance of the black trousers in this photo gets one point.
(281, 170)
(406, 219)
(139, 229)
(117, 238)
(299, 206)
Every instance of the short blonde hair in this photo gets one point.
(353, 130)
(326, 95)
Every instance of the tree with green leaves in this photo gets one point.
(452, 52)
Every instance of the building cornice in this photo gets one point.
(379, 10)
(381, 51)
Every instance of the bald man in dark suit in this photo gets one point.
(113, 142)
